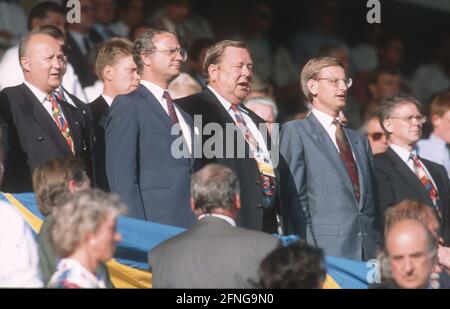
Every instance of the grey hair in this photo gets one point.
(214, 186)
(82, 213)
(144, 45)
(266, 101)
(390, 103)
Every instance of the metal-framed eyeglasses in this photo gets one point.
(409, 119)
(171, 52)
(348, 82)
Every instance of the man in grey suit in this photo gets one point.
(214, 253)
(332, 169)
(151, 175)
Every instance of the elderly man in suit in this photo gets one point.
(214, 253)
(143, 166)
(401, 173)
(41, 121)
(332, 168)
(229, 66)
(117, 70)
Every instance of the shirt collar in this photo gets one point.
(325, 120)
(108, 100)
(403, 153)
(222, 100)
(223, 217)
(154, 89)
(69, 263)
(41, 96)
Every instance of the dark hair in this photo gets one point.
(41, 9)
(144, 45)
(214, 186)
(297, 266)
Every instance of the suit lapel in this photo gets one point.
(43, 119)
(325, 143)
(408, 175)
(155, 106)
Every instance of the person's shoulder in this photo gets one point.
(11, 217)
(258, 236)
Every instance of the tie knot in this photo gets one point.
(235, 107)
(414, 157)
(337, 123)
(167, 97)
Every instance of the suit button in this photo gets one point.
(259, 205)
(76, 123)
(258, 182)
(40, 138)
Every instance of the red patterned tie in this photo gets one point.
(426, 181)
(59, 118)
(268, 183)
(347, 156)
(170, 107)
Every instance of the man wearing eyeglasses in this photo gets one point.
(145, 163)
(401, 173)
(332, 169)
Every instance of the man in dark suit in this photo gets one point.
(214, 253)
(332, 168)
(144, 128)
(242, 146)
(400, 172)
(41, 121)
(116, 69)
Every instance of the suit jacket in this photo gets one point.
(397, 182)
(31, 136)
(251, 215)
(212, 254)
(139, 162)
(79, 62)
(324, 198)
(99, 109)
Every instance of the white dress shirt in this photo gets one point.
(250, 124)
(108, 100)
(42, 97)
(19, 259)
(405, 155)
(223, 217)
(327, 123)
(158, 93)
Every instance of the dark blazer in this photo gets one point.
(31, 136)
(211, 254)
(251, 215)
(99, 109)
(397, 182)
(80, 63)
(324, 198)
(139, 163)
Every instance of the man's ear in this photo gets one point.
(388, 125)
(146, 59)
(312, 86)
(108, 73)
(212, 72)
(25, 62)
(237, 202)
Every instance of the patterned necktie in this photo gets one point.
(347, 156)
(267, 182)
(426, 181)
(170, 107)
(59, 118)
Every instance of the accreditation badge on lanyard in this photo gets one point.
(264, 165)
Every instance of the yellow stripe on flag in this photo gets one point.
(32, 220)
(330, 283)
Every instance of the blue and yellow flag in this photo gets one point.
(129, 268)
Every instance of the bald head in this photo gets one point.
(411, 249)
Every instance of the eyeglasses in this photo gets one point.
(335, 81)
(376, 136)
(172, 52)
(419, 118)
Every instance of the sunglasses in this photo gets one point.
(376, 136)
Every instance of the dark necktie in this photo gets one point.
(170, 107)
(347, 156)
